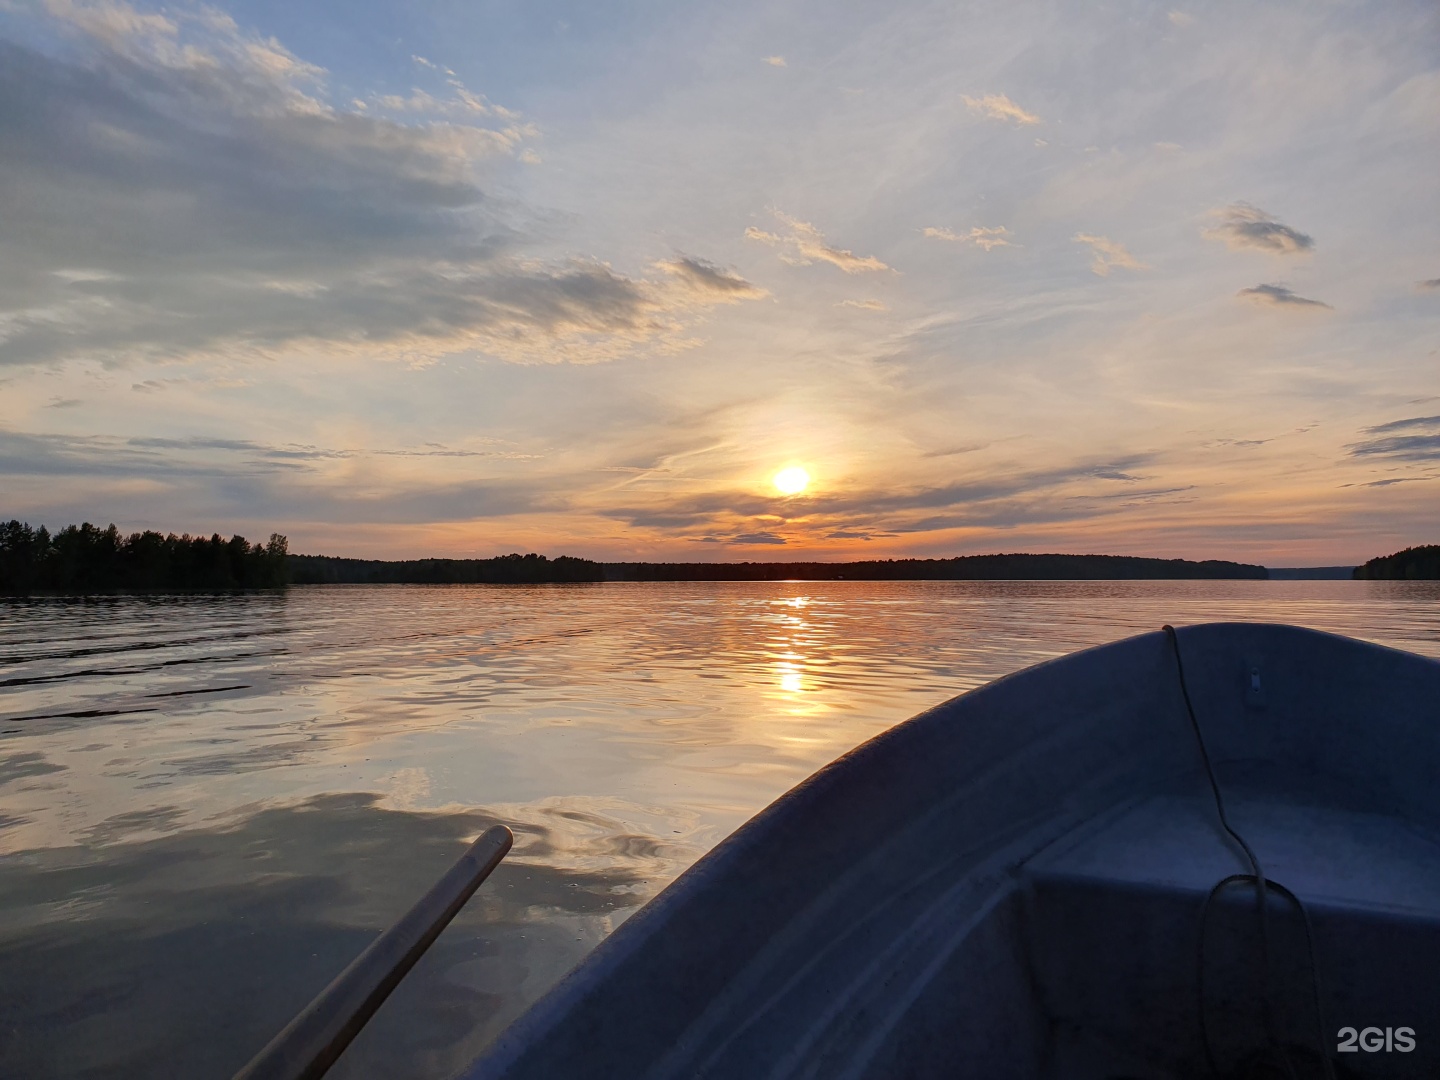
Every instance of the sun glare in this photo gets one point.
(791, 481)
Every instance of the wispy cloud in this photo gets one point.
(979, 236)
(1280, 296)
(226, 478)
(1396, 480)
(1414, 439)
(710, 282)
(804, 244)
(1108, 254)
(865, 305)
(952, 451)
(462, 103)
(305, 452)
(1244, 227)
(1000, 107)
(1433, 283)
(775, 61)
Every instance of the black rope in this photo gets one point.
(1262, 887)
(1274, 886)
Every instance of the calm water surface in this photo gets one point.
(209, 805)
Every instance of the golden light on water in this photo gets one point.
(792, 480)
(792, 681)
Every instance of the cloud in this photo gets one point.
(710, 282)
(952, 451)
(1414, 439)
(303, 452)
(1396, 480)
(758, 538)
(1108, 254)
(205, 45)
(980, 237)
(461, 102)
(194, 443)
(1000, 107)
(805, 244)
(1180, 18)
(1243, 443)
(1424, 422)
(175, 187)
(865, 305)
(1279, 296)
(1248, 228)
(216, 478)
(775, 61)
(1433, 283)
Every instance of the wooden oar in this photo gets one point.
(310, 1043)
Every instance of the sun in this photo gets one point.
(791, 481)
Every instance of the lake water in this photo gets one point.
(209, 805)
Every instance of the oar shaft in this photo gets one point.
(310, 1043)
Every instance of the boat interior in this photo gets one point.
(1086, 961)
(1124, 981)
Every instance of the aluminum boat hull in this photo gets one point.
(1011, 883)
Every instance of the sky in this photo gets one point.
(463, 278)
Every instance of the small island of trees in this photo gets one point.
(1412, 564)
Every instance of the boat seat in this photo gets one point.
(1113, 916)
(1328, 856)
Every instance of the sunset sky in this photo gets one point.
(462, 278)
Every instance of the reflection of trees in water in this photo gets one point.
(182, 956)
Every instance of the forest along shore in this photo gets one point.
(80, 559)
(323, 569)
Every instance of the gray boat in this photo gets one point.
(1207, 853)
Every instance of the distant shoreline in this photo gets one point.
(1311, 573)
(537, 569)
(87, 560)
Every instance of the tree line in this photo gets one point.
(960, 568)
(1412, 564)
(537, 569)
(86, 558)
(514, 569)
